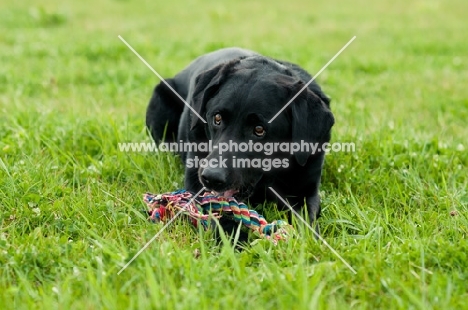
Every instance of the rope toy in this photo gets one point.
(201, 209)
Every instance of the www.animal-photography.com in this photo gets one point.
(233, 154)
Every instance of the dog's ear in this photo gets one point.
(207, 84)
(312, 118)
(163, 112)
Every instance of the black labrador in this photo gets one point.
(225, 132)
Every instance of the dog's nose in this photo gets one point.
(214, 178)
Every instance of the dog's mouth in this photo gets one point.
(228, 193)
(240, 194)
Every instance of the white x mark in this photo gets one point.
(315, 76)
(161, 78)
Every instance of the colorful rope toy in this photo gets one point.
(201, 209)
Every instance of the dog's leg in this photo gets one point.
(313, 208)
(163, 113)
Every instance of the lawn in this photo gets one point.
(70, 201)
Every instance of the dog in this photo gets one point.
(231, 96)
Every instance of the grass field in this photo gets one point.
(70, 202)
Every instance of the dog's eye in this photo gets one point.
(259, 131)
(217, 119)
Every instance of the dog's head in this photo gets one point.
(238, 99)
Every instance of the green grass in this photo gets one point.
(70, 201)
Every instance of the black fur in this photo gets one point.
(247, 90)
